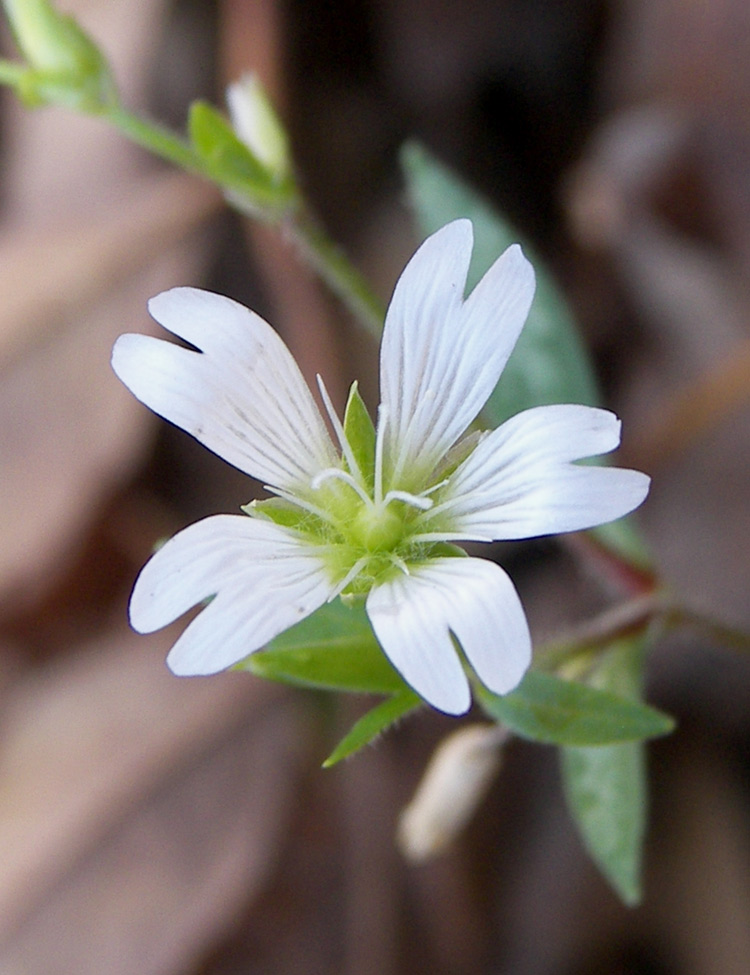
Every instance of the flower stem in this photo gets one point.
(157, 139)
(632, 617)
(315, 246)
(330, 262)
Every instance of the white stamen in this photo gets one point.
(350, 575)
(415, 500)
(335, 473)
(399, 563)
(435, 487)
(346, 447)
(442, 537)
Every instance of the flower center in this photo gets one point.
(377, 528)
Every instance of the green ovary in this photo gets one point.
(364, 541)
(376, 530)
(374, 538)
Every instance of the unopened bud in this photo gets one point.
(257, 125)
(455, 782)
(65, 65)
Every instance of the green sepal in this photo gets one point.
(230, 162)
(334, 649)
(214, 140)
(550, 364)
(286, 514)
(606, 788)
(547, 709)
(373, 724)
(360, 432)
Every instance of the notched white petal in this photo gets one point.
(521, 482)
(413, 617)
(442, 356)
(261, 577)
(241, 395)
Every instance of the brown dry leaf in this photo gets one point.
(662, 193)
(51, 271)
(69, 431)
(138, 812)
(663, 189)
(85, 240)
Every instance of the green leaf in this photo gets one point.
(558, 712)
(550, 363)
(360, 433)
(334, 649)
(373, 724)
(606, 788)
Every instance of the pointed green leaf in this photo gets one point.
(65, 64)
(334, 649)
(360, 433)
(550, 363)
(374, 723)
(606, 788)
(558, 712)
(606, 791)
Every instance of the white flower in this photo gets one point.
(375, 518)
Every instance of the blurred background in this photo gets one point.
(151, 825)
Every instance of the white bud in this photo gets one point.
(455, 781)
(257, 125)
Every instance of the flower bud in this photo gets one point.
(257, 125)
(455, 782)
(65, 65)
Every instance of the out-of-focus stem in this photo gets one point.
(315, 246)
(157, 139)
(330, 262)
(11, 72)
(633, 617)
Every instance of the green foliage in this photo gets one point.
(334, 649)
(214, 140)
(231, 164)
(606, 788)
(558, 712)
(374, 723)
(549, 363)
(65, 66)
